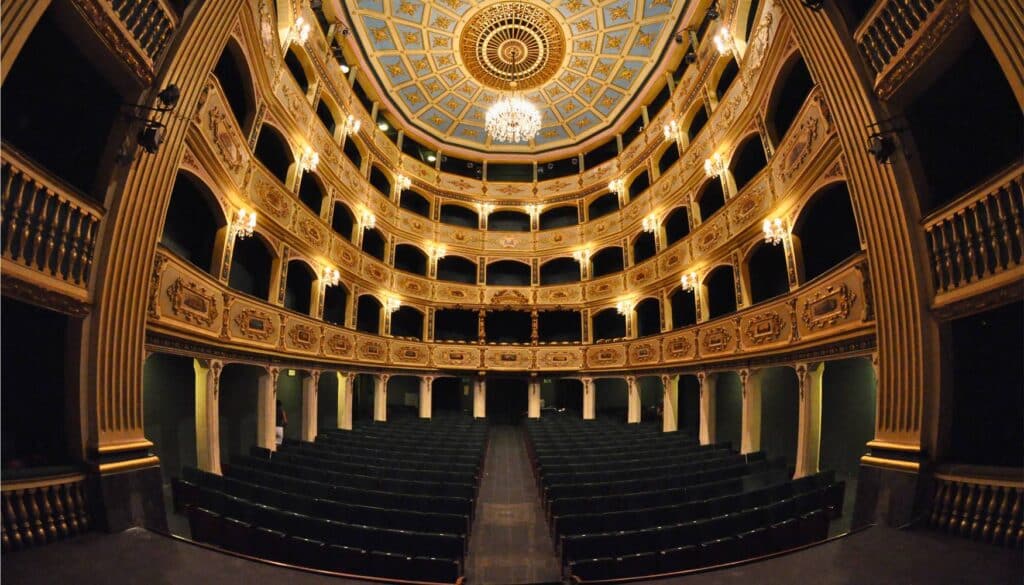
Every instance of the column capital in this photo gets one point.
(427, 379)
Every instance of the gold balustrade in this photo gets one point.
(136, 31)
(978, 236)
(151, 23)
(984, 504)
(42, 510)
(46, 225)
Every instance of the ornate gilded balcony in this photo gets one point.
(137, 31)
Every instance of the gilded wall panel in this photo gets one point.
(456, 357)
(674, 259)
(293, 100)
(502, 242)
(605, 287)
(457, 184)
(559, 238)
(371, 349)
(599, 175)
(301, 336)
(409, 354)
(519, 297)
(679, 346)
(766, 328)
(832, 305)
(560, 295)
(559, 359)
(809, 133)
(311, 230)
(556, 187)
(270, 197)
(501, 191)
(710, 235)
(416, 224)
(219, 128)
(645, 352)
(344, 253)
(457, 293)
(508, 358)
(254, 323)
(421, 171)
(413, 285)
(606, 226)
(190, 301)
(753, 204)
(606, 356)
(462, 237)
(376, 272)
(717, 339)
(339, 343)
(642, 274)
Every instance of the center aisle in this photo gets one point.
(510, 542)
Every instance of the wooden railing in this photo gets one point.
(979, 235)
(981, 504)
(887, 29)
(45, 225)
(38, 511)
(150, 23)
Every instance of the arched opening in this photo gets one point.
(273, 151)
(238, 405)
(368, 314)
(407, 322)
(561, 216)
(689, 405)
(447, 397)
(728, 409)
(726, 77)
(327, 401)
(169, 411)
(336, 305)
(456, 325)
(507, 326)
(611, 398)
(720, 285)
(603, 205)
(192, 222)
(362, 397)
(342, 220)
(380, 181)
(684, 308)
(232, 73)
(453, 214)
(559, 271)
(509, 221)
(298, 291)
(298, 69)
(987, 141)
(403, 396)
(508, 273)
(507, 400)
(606, 261)
(767, 275)
(697, 122)
(639, 185)
(651, 393)
(710, 198)
(374, 243)
(564, 394)
(410, 259)
(648, 317)
(414, 202)
(252, 262)
(643, 247)
(677, 225)
(668, 158)
(608, 324)
(311, 192)
(325, 111)
(780, 413)
(352, 152)
(748, 161)
(793, 86)
(826, 231)
(456, 269)
(559, 327)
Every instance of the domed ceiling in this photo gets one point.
(443, 63)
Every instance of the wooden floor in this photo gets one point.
(510, 542)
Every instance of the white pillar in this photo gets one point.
(266, 409)
(707, 407)
(808, 438)
(633, 398)
(533, 408)
(380, 397)
(480, 398)
(345, 382)
(750, 433)
(670, 403)
(589, 399)
(207, 388)
(310, 385)
(426, 396)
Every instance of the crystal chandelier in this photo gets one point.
(723, 40)
(688, 281)
(581, 256)
(671, 130)
(300, 31)
(650, 223)
(624, 307)
(244, 223)
(773, 231)
(512, 118)
(715, 166)
(618, 186)
(391, 304)
(351, 125)
(437, 251)
(402, 183)
(309, 159)
(332, 277)
(367, 219)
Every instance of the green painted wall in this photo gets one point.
(780, 413)
(327, 402)
(169, 413)
(239, 395)
(848, 396)
(689, 405)
(728, 409)
(289, 392)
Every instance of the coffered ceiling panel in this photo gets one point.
(443, 63)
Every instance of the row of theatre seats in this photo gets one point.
(392, 500)
(629, 500)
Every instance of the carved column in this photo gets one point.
(808, 438)
(669, 403)
(589, 399)
(534, 335)
(310, 385)
(480, 397)
(707, 407)
(750, 433)
(345, 395)
(266, 409)
(633, 398)
(426, 396)
(533, 407)
(385, 320)
(481, 329)
(380, 397)
(207, 388)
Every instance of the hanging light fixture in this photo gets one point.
(624, 307)
(618, 186)
(367, 219)
(513, 118)
(773, 230)
(650, 223)
(715, 166)
(332, 277)
(351, 126)
(309, 159)
(688, 281)
(723, 40)
(437, 251)
(671, 130)
(244, 223)
(581, 256)
(391, 304)
(300, 30)
(402, 182)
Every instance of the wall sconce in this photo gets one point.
(402, 182)
(581, 256)
(351, 125)
(671, 130)
(485, 208)
(437, 251)
(152, 133)
(715, 166)
(650, 223)
(367, 219)
(624, 307)
(688, 281)
(773, 230)
(299, 31)
(391, 304)
(309, 159)
(331, 276)
(244, 223)
(618, 186)
(723, 40)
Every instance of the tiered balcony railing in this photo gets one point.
(48, 229)
(984, 504)
(137, 31)
(41, 510)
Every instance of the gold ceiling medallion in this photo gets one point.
(512, 40)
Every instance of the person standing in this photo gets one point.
(281, 421)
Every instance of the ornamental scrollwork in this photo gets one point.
(827, 307)
(191, 302)
(255, 324)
